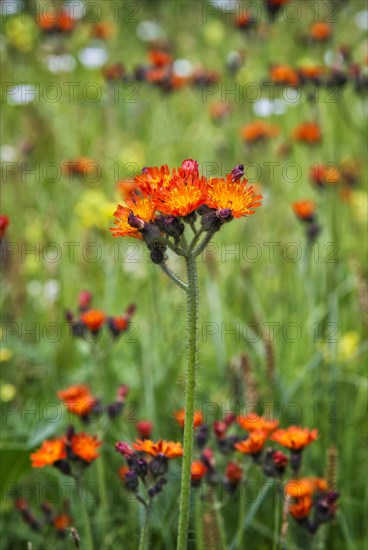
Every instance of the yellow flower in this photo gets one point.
(94, 210)
(7, 392)
(348, 345)
(5, 355)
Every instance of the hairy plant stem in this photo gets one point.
(143, 539)
(204, 243)
(190, 390)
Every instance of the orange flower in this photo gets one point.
(180, 418)
(258, 130)
(93, 319)
(103, 30)
(236, 196)
(82, 166)
(283, 74)
(304, 209)
(254, 444)
(142, 208)
(62, 521)
(219, 110)
(50, 452)
(78, 399)
(123, 471)
(295, 437)
(160, 58)
(312, 72)
(308, 132)
(84, 446)
(320, 31)
(114, 72)
(182, 197)
(198, 470)
(298, 488)
(322, 174)
(252, 422)
(169, 449)
(244, 21)
(4, 222)
(58, 21)
(152, 179)
(233, 473)
(301, 508)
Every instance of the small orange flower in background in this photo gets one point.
(308, 132)
(78, 399)
(82, 166)
(322, 174)
(320, 31)
(254, 444)
(180, 418)
(49, 453)
(114, 72)
(62, 522)
(93, 319)
(142, 208)
(220, 110)
(123, 471)
(103, 30)
(295, 437)
(284, 74)
(304, 209)
(244, 21)
(160, 58)
(258, 131)
(59, 21)
(85, 446)
(198, 470)
(301, 492)
(233, 473)
(310, 73)
(239, 199)
(169, 449)
(252, 422)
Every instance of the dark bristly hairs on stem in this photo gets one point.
(331, 467)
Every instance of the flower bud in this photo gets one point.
(144, 429)
(188, 168)
(135, 222)
(159, 465)
(131, 481)
(237, 172)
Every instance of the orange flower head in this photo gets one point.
(324, 174)
(198, 470)
(85, 446)
(82, 166)
(4, 222)
(182, 197)
(103, 30)
(298, 488)
(180, 418)
(310, 72)
(143, 209)
(169, 449)
(153, 178)
(78, 399)
(123, 471)
(233, 473)
(301, 508)
(93, 319)
(254, 444)
(283, 74)
(308, 132)
(219, 110)
(114, 72)
(295, 437)
(62, 522)
(304, 209)
(49, 453)
(258, 131)
(160, 58)
(320, 31)
(235, 196)
(252, 422)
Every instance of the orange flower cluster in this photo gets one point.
(258, 131)
(284, 75)
(295, 437)
(178, 193)
(254, 444)
(78, 399)
(57, 452)
(58, 22)
(320, 31)
(301, 491)
(169, 449)
(308, 132)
